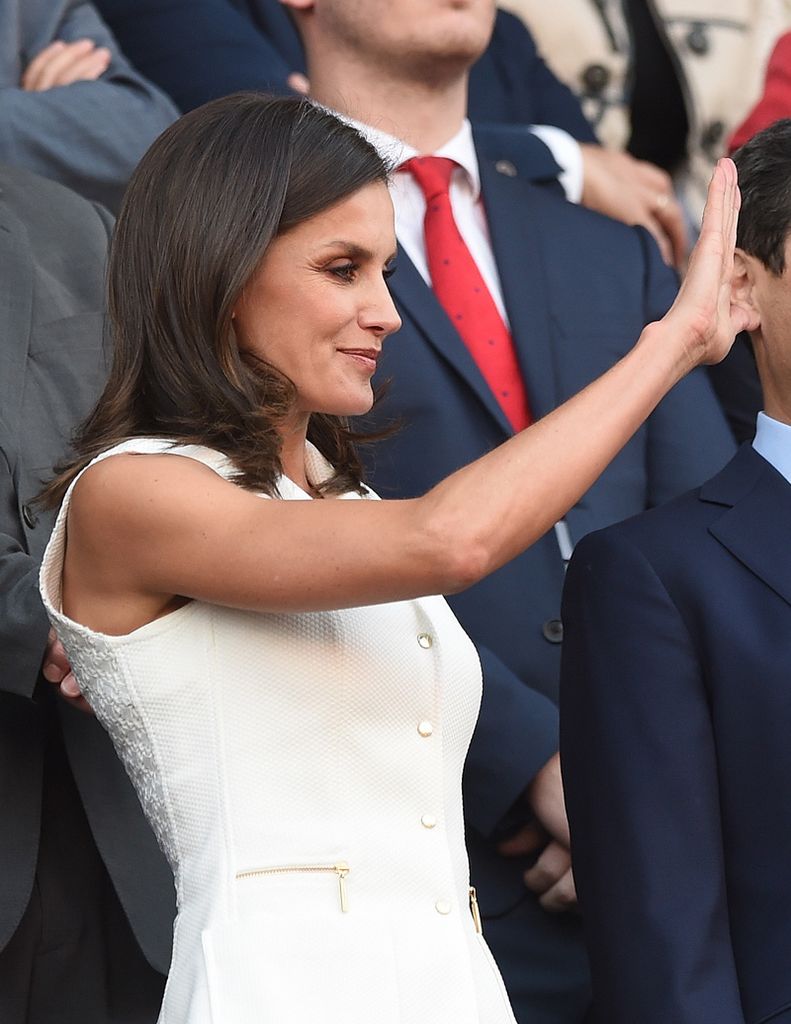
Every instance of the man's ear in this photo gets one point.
(743, 287)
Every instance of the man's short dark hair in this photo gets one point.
(764, 165)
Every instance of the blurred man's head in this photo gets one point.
(422, 39)
(763, 255)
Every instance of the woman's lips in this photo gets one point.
(364, 357)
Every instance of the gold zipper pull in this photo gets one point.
(475, 910)
(343, 870)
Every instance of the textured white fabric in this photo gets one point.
(258, 741)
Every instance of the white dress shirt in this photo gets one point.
(468, 212)
(465, 195)
(773, 442)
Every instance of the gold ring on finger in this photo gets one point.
(660, 201)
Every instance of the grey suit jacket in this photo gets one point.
(89, 135)
(52, 254)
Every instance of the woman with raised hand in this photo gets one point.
(292, 705)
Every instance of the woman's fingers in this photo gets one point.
(703, 308)
(86, 69)
(51, 62)
(65, 63)
(32, 73)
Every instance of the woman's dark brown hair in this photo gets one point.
(199, 213)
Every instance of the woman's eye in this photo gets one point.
(388, 272)
(345, 272)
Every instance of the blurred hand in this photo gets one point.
(545, 796)
(65, 63)
(299, 83)
(57, 670)
(550, 878)
(635, 192)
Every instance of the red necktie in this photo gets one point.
(463, 294)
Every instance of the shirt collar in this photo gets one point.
(460, 149)
(773, 442)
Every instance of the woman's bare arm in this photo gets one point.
(145, 528)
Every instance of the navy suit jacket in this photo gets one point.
(197, 50)
(676, 714)
(578, 289)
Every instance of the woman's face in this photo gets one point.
(318, 308)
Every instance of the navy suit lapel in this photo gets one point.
(755, 529)
(418, 300)
(513, 213)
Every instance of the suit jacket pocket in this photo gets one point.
(301, 970)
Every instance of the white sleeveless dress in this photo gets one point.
(302, 773)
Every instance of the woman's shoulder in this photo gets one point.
(165, 446)
(141, 473)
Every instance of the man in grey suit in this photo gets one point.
(71, 106)
(86, 898)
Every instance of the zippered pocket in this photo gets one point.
(475, 910)
(341, 869)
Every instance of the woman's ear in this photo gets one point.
(743, 287)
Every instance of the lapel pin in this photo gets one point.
(505, 167)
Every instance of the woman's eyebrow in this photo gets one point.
(355, 250)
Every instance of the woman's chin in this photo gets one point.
(357, 405)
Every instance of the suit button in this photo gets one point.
(595, 78)
(443, 907)
(425, 640)
(553, 631)
(428, 821)
(698, 39)
(425, 728)
(29, 516)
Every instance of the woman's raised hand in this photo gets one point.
(705, 314)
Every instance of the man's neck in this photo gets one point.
(424, 115)
(775, 377)
(777, 404)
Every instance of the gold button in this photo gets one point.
(443, 906)
(425, 640)
(425, 728)
(428, 821)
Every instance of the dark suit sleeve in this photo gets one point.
(640, 773)
(516, 734)
(512, 84)
(689, 439)
(23, 621)
(89, 135)
(196, 50)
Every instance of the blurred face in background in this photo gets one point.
(421, 38)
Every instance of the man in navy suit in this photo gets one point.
(572, 291)
(197, 50)
(676, 703)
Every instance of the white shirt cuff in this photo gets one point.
(566, 151)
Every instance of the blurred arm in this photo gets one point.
(88, 135)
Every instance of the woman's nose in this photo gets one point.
(381, 315)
